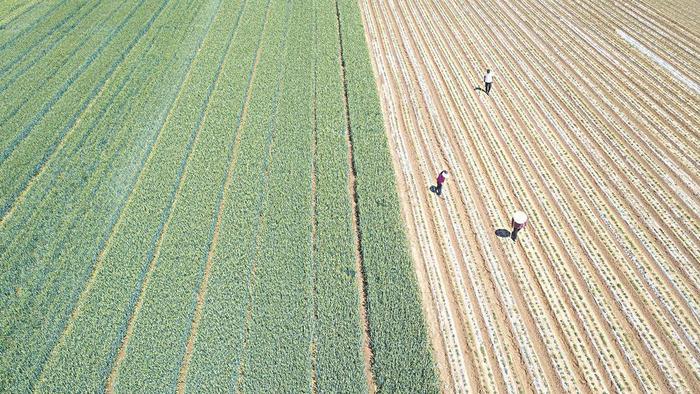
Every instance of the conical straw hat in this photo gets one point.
(520, 217)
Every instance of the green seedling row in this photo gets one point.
(221, 335)
(339, 341)
(402, 360)
(277, 324)
(120, 264)
(42, 302)
(177, 206)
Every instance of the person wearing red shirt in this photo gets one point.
(440, 180)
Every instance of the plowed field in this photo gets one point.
(592, 129)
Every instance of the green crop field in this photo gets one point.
(197, 195)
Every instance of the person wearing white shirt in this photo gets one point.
(488, 80)
(518, 222)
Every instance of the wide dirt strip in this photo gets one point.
(591, 137)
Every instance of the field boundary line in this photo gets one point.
(313, 262)
(105, 244)
(203, 287)
(357, 232)
(453, 255)
(459, 365)
(411, 216)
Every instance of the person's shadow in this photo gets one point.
(434, 190)
(503, 233)
(479, 88)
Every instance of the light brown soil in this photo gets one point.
(596, 141)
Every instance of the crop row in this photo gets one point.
(85, 151)
(154, 341)
(436, 73)
(337, 342)
(23, 110)
(398, 337)
(454, 214)
(37, 38)
(51, 280)
(40, 125)
(122, 259)
(45, 186)
(24, 23)
(45, 52)
(453, 344)
(680, 12)
(660, 261)
(535, 217)
(277, 323)
(199, 196)
(57, 275)
(219, 350)
(13, 10)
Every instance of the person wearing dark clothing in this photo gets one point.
(518, 222)
(488, 80)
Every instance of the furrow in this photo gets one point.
(434, 270)
(443, 138)
(637, 208)
(541, 290)
(357, 235)
(119, 216)
(201, 295)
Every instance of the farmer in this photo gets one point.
(440, 180)
(518, 222)
(488, 80)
